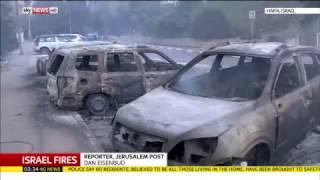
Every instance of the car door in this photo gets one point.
(310, 92)
(122, 77)
(288, 101)
(157, 68)
(52, 72)
(87, 65)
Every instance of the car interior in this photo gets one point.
(244, 80)
(288, 79)
(121, 62)
(311, 65)
(87, 63)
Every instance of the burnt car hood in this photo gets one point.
(165, 113)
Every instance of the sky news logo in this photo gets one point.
(40, 10)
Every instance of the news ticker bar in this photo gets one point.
(40, 10)
(292, 10)
(288, 169)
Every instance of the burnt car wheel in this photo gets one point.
(44, 50)
(44, 68)
(41, 68)
(38, 67)
(98, 104)
(257, 156)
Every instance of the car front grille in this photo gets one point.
(138, 140)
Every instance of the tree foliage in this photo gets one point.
(73, 17)
(210, 24)
(8, 30)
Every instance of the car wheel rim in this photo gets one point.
(99, 104)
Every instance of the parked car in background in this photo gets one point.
(43, 44)
(247, 102)
(101, 77)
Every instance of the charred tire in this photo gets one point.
(44, 50)
(44, 68)
(41, 68)
(257, 156)
(98, 104)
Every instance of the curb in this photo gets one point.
(91, 137)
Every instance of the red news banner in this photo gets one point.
(40, 159)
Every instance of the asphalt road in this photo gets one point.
(28, 122)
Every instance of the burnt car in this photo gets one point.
(246, 102)
(102, 77)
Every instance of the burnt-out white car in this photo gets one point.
(241, 102)
(100, 78)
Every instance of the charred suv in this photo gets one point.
(100, 77)
(247, 102)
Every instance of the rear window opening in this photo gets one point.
(56, 64)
